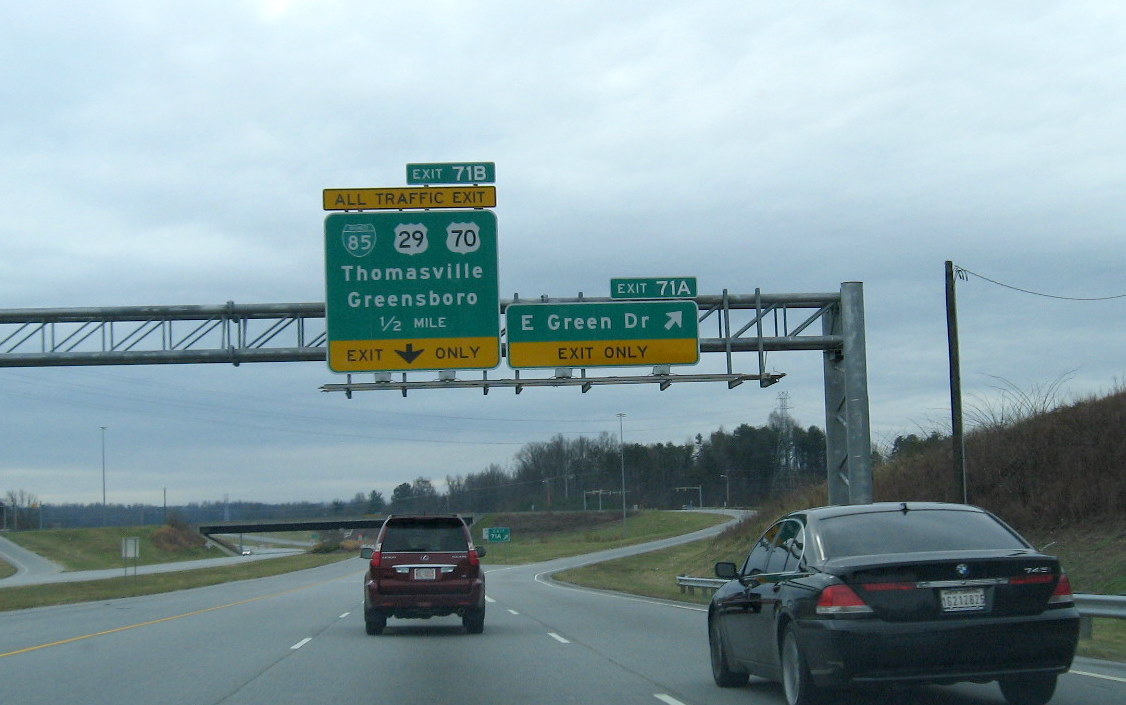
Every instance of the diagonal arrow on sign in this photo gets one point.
(410, 354)
(676, 318)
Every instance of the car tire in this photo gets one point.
(474, 621)
(797, 683)
(724, 676)
(1029, 689)
(374, 624)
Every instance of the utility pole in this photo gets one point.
(103, 475)
(957, 435)
(622, 455)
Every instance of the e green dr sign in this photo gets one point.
(412, 291)
(598, 334)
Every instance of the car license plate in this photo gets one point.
(425, 574)
(963, 599)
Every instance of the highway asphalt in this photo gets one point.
(299, 638)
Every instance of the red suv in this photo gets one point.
(424, 566)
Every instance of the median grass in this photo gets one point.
(15, 598)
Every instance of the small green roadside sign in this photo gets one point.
(452, 173)
(498, 533)
(653, 288)
(600, 334)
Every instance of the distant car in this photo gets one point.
(247, 552)
(424, 566)
(906, 593)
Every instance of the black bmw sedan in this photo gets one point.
(893, 593)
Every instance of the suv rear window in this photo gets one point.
(424, 535)
(916, 530)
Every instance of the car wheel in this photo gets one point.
(721, 670)
(474, 621)
(1029, 689)
(796, 681)
(374, 624)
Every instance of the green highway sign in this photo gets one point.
(653, 288)
(452, 173)
(498, 533)
(412, 291)
(599, 334)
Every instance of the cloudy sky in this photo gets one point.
(175, 153)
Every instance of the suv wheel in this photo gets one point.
(374, 624)
(474, 620)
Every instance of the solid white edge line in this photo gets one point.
(667, 699)
(558, 638)
(301, 643)
(1099, 675)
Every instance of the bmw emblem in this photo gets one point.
(962, 570)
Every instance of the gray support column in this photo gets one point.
(836, 445)
(858, 430)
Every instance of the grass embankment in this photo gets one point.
(6, 570)
(15, 598)
(536, 537)
(99, 548)
(541, 537)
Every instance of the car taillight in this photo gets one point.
(841, 599)
(1062, 594)
(474, 559)
(376, 559)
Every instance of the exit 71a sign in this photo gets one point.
(599, 334)
(653, 288)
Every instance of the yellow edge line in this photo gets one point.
(164, 619)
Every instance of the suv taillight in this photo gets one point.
(474, 559)
(841, 599)
(376, 559)
(1062, 594)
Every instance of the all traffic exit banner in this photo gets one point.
(412, 291)
(598, 334)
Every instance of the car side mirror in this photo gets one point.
(480, 551)
(367, 552)
(726, 570)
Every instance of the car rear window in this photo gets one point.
(424, 535)
(916, 530)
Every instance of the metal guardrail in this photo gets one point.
(1089, 606)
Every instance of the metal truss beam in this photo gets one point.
(232, 333)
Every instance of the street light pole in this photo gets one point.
(103, 475)
(622, 456)
(727, 495)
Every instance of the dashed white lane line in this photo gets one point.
(489, 599)
(301, 643)
(345, 615)
(513, 612)
(558, 638)
(667, 699)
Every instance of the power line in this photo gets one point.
(961, 271)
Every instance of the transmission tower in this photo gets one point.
(785, 467)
